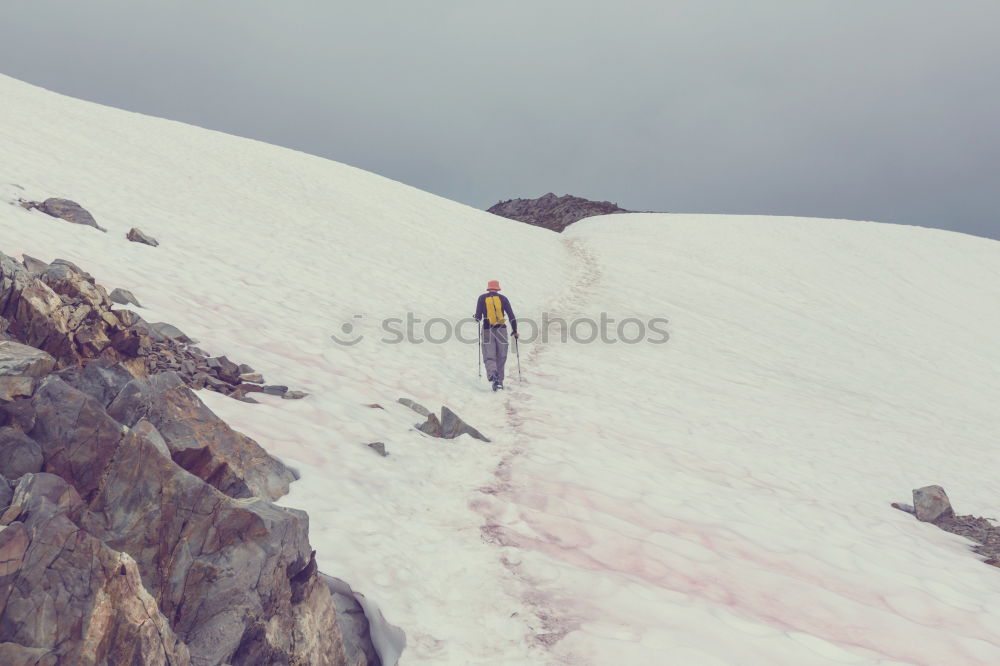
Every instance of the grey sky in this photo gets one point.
(880, 109)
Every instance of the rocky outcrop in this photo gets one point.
(552, 212)
(137, 236)
(141, 530)
(69, 598)
(198, 440)
(64, 209)
(159, 564)
(61, 309)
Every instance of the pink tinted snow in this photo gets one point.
(589, 530)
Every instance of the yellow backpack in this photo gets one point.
(494, 311)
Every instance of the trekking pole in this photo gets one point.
(517, 352)
(479, 356)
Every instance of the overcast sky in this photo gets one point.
(882, 110)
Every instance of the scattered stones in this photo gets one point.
(65, 209)
(377, 447)
(273, 389)
(931, 504)
(252, 378)
(294, 395)
(124, 297)
(417, 407)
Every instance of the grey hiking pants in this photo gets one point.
(495, 350)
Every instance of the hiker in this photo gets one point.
(490, 309)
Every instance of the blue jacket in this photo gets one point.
(481, 311)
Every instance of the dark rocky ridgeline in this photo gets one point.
(135, 526)
(552, 212)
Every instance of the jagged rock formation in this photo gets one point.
(552, 212)
(448, 426)
(141, 528)
(59, 308)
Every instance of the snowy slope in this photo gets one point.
(718, 499)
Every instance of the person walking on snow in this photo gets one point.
(490, 309)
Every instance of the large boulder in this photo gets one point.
(200, 441)
(931, 504)
(70, 211)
